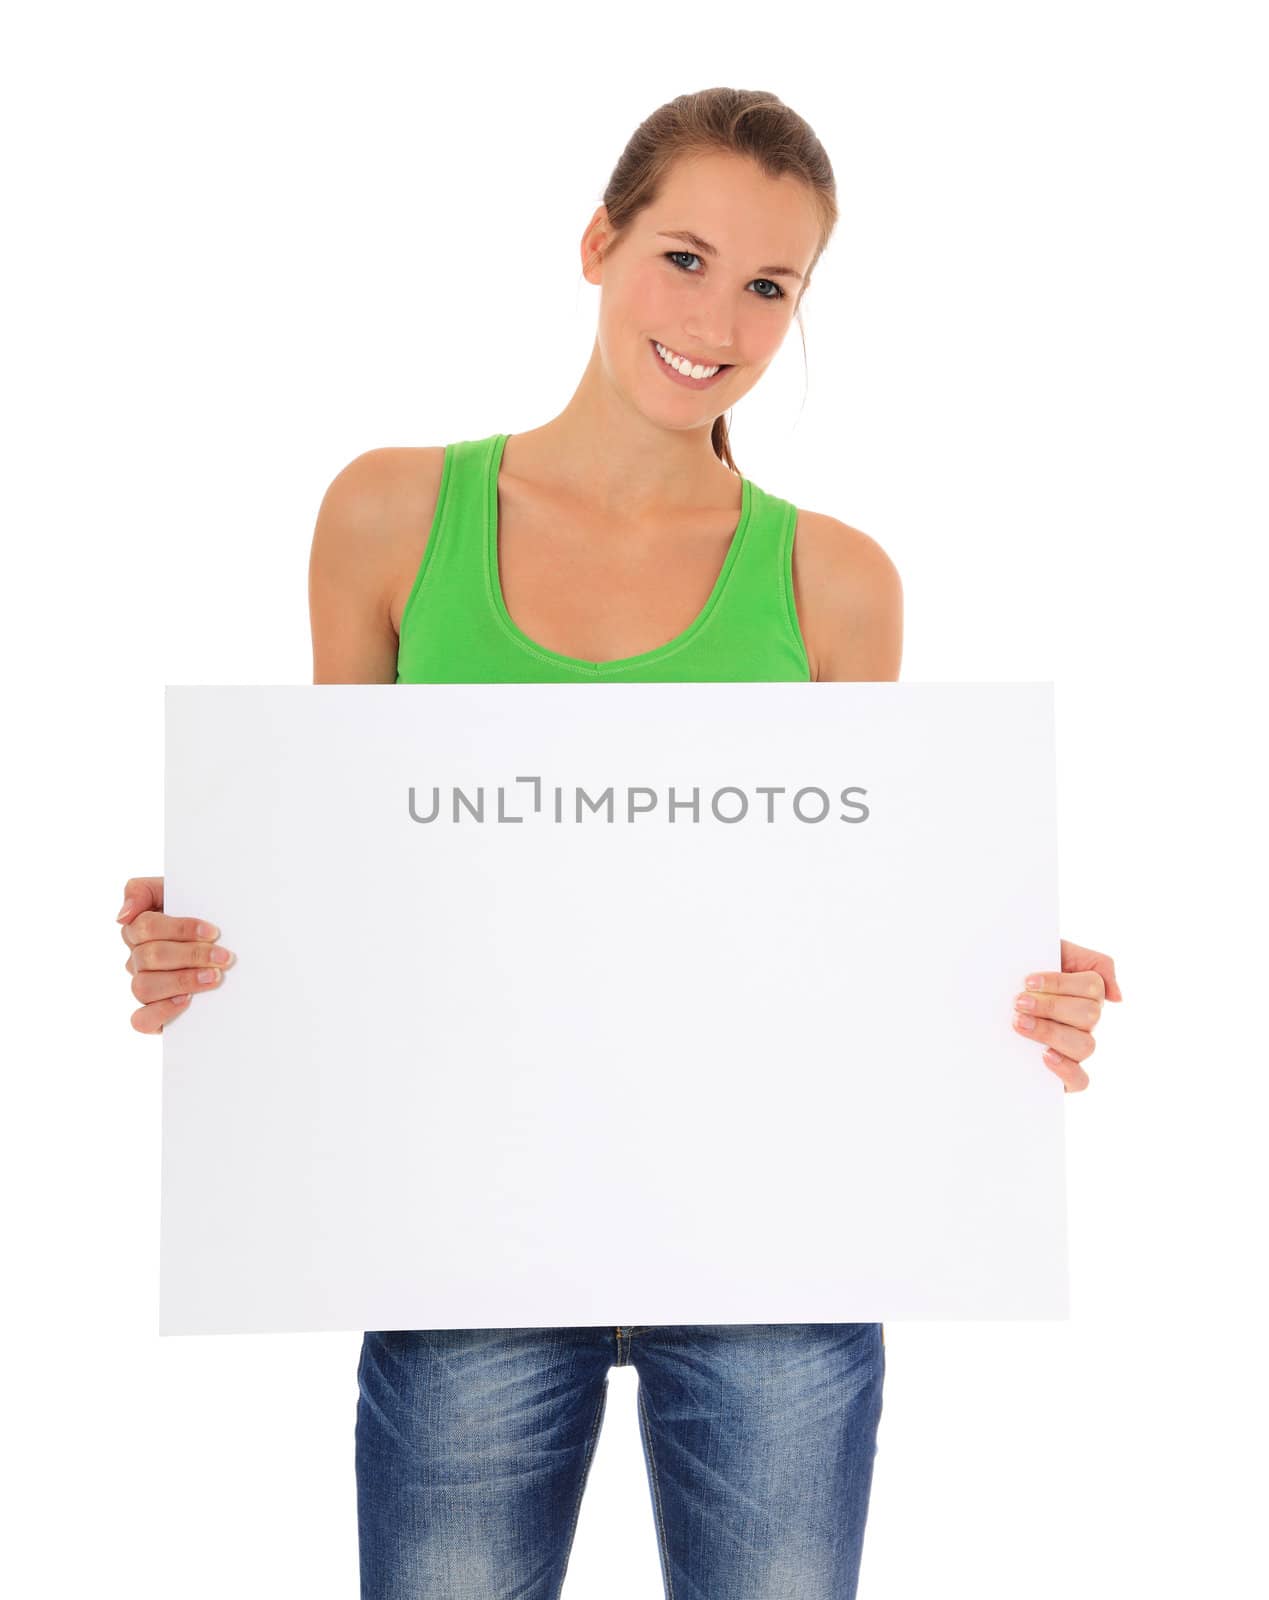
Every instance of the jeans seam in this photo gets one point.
(581, 1487)
(656, 1497)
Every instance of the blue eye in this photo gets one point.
(671, 254)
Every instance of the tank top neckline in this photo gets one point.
(494, 580)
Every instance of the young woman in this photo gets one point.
(618, 542)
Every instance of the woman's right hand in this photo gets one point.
(170, 958)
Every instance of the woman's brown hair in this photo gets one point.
(747, 122)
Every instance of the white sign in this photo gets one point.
(575, 1004)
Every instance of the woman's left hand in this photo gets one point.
(1061, 1009)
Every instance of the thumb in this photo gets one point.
(140, 894)
(1079, 958)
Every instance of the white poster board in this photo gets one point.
(600, 1058)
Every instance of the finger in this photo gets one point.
(1089, 985)
(1076, 1010)
(151, 1018)
(1073, 1076)
(140, 894)
(163, 985)
(147, 925)
(163, 954)
(1072, 1042)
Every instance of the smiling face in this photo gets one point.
(709, 271)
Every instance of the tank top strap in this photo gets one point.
(454, 559)
(758, 596)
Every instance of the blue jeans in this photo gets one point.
(473, 1447)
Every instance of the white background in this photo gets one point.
(246, 244)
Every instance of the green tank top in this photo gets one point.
(456, 628)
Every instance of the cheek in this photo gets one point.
(649, 299)
(764, 337)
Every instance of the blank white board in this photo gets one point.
(515, 1037)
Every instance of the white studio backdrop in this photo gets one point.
(248, 244)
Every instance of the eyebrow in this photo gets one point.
(707, 249)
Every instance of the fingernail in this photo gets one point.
(1025, 1002)
(208, 975)
(1035, 982)
(208, 930)
(179, 999)
(124, 909)
(220, 955)
(1023, 1021)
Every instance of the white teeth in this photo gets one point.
(681, 364)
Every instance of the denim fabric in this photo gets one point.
(473, 1447)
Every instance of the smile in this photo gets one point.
(682, 369)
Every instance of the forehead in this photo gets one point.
(728, 200)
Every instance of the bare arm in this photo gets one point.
(850, 600)
(352, 567)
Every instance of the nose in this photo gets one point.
(710, 329)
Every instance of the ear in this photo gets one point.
(596, 237)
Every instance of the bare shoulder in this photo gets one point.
(371, 509)
(371, 530)
(849, 598)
